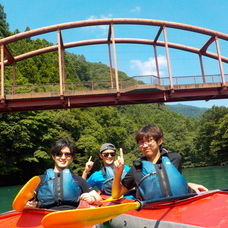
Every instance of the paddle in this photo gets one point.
(111, 199)
(91, 216)
(25, 194)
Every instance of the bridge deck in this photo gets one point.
(136, 94)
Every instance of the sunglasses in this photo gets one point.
(60, 154)
(113, 154)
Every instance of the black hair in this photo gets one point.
(59, 144)
(149, 131)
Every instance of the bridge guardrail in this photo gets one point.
(100, 85)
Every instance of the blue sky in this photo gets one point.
(137, 60)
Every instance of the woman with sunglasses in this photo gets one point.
(103, 178)
(59, 188)
(157, 174)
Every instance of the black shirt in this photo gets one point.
(134, 175)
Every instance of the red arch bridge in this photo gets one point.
(155, 88)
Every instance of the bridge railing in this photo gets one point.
(101, 85)
(55, 87)
(181, 80)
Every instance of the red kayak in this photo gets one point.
(208, 209)
(29, 218)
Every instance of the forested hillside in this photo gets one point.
(26, 138)
(187, 110)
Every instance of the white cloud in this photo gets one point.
(92, 17)
(102, 28)
(136, 9)
(148, 67)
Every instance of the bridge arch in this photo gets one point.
(7, 58)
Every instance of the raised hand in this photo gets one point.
(117, 188)
(89, 165)
(119, 163)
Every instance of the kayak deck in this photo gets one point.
(27, 218)
(209, 210)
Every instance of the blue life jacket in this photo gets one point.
(108, 174)
(160, 180)
(58, 189)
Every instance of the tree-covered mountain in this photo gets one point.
(187, 110)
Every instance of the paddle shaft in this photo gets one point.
(165, 199)
(175, 198)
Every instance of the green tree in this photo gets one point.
(208, 136)
(4, 26)
(25, 141)
(219, 144)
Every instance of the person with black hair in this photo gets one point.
(59, 188)
(157, 174)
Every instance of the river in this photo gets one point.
(214, 177)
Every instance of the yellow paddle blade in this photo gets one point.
(25, 194)
(86, 217)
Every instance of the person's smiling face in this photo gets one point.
(62, 159)
(108, 157)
